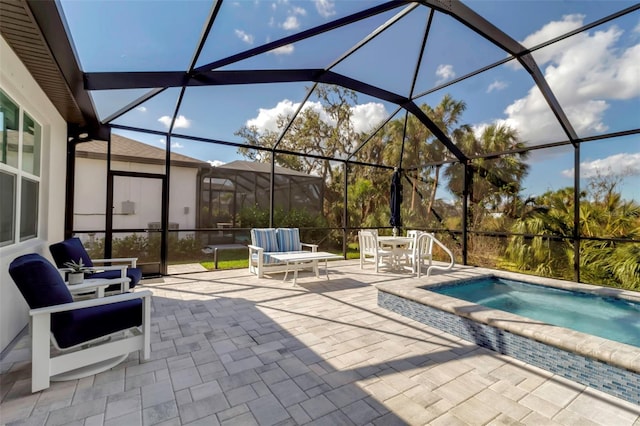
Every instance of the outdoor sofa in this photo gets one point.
(268, 241)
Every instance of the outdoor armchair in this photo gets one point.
(70, 340)
(72, 249)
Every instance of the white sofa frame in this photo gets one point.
(260, 268)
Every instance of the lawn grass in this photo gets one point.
(238, 259)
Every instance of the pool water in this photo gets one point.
(610, 318)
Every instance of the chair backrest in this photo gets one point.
(413, 233)
(68, 250)
(368, 241)
(288, 239)
(265, 238)
(424, 244)
(41, 285)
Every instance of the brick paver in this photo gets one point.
(231, 349)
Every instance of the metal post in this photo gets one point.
(468, 177)
(576, 213)
(345, 211)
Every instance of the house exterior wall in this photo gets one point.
(90, 195)
(16, 81)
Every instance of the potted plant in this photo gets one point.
(77, 271)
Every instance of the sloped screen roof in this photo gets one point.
(556, 72)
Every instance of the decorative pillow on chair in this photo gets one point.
(265, 238)
(289, 239)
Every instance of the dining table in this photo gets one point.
(397, 245)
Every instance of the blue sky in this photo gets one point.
(595, 75)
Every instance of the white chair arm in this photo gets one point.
(131, 260)
(314, 247)
(108, 268)
(77, 288)
(90, 303)
(255, 248)
(121, 268)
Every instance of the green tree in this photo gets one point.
(603, 214)
(497, 181)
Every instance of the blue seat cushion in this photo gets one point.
(69, 250)
(134, 274)
(267, 258)
(265, 238)
(92, 323)
(288, 239)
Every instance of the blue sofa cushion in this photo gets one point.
(288, 239)
(266, 258)
(265, 238)
(68, 250)
(92, 323)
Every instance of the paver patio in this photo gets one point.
(231, 349)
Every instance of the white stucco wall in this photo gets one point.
(90, 195)
(16, 81)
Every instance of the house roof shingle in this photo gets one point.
(125, 149)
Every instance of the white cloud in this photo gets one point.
(267, 118)
(163, 142)
(365, 117)
(551, 30)
(247, 38)
(291, 23)
(141, 109)
(283, 50)
(497, 85)
(613, 165)
(215, 163)
(181, 121)
(445, 72)
(584, 71)
(299, 11)
(325, 8)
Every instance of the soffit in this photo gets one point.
(21, 31)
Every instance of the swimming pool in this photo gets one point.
(608, 317)
(594, 361)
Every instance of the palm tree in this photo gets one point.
(421, 146)
(446, 116)
(602, 215)
(496, 181)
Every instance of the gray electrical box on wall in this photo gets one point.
(128, 207)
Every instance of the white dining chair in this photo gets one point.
(405, 254)
(370, 250)
(422, 251)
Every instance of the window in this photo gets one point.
(20, 148)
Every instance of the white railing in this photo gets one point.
(444, 268)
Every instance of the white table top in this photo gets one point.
(396, 241)
(307, 255)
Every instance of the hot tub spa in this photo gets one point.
(598, 362)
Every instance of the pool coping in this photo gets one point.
(613, 353)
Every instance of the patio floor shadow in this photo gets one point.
(229, 348)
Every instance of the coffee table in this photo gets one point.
(297, 259)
